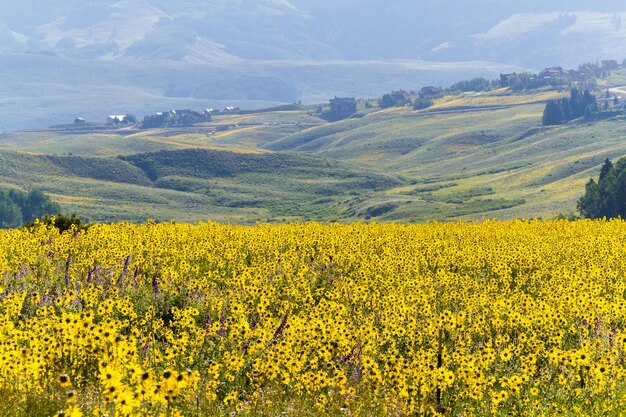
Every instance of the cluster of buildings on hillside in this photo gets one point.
(549, 77)
(344, 107)
(176, 118)
(184, 117)
(168, 118)
(556, 76)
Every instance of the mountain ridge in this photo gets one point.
(217, 31)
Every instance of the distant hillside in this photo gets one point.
(470, 157)
(39, 90)
(467, 163)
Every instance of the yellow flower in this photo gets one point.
(64, 381)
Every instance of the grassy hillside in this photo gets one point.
(113, 143)
(500, 97)
(453, 158)
(468, 157)
(195, 184)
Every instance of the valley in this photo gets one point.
(467, 157)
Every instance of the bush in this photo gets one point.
(61, 221)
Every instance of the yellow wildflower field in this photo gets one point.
(497, 318)
(496, 98)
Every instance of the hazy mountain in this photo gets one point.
(531, 33)
(89, 57)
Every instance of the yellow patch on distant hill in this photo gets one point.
(68, 199)
(490, 99)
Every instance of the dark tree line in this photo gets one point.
(425, 99)
(421, 103)
(400, 98)
(396, 98)
(521, 82)
(569, 108)
(607, 196)
(17, 207)
(475, 84)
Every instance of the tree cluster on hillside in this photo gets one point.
(580, 103)
(421, 103)
(396, 98)
(17, 207)
(475, 84)
(607, 197)
(400, 98)
(520, 82)
(566, 109)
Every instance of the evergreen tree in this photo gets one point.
(589, 204)
(386, 102)
(422, 103)
(394, 99)
(567, 109)
(520, 82)
(577, 104)
(607, 197)
(619, 196)
(553, 114)
(574, 107)
(475, 84)
(590, 102)
(606, 168)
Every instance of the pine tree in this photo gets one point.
(589, 204)
(606, 168)
(553, 114)
(607, 197)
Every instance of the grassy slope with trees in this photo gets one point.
(507, 150)
(439, 163)
(194, 185)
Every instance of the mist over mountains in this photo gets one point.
(531, 34)
(67, 58)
